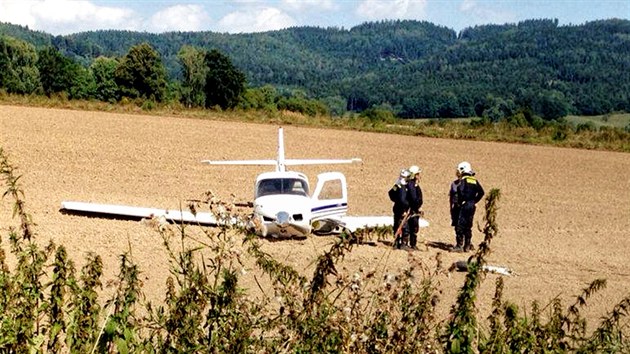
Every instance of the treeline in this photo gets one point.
(412, 69)
(208, 79)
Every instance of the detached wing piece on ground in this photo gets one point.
(336, 224)
(137, 213)
(358, 222)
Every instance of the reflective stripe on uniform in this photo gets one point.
(470, 179)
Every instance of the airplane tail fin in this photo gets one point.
(281, 161)
(281, 167)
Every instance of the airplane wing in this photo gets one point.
(137, 213)
(357, 222)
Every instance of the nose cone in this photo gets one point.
(282, 219)
(272, 205)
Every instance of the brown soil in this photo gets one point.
(564, 215)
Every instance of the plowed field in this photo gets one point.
(564, 217)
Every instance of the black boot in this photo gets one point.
(398, 242)
(468, 243)
(459, 239)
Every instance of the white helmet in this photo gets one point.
(464, 167)
(414, 170)
(404, 175)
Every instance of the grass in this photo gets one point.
(615, 120)
(46, 306)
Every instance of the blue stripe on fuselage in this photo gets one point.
(324, 207)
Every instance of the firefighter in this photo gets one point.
(454, 205)
(398, 195)
(469, 193)
(414, 197)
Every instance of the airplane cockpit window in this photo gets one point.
(282, 186)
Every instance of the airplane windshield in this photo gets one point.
(282, 186)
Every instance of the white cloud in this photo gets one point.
(179, 18)
(484, 14)
(17, 12)
(392, 9)
(467, 5)
(302, 5)
(246, 2)
(255, 20)
(66, 16)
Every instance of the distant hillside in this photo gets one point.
(417, 69)
(37, 38)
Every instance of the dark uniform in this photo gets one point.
(398, 195)
(469, 193)
(453, 204)
(414, 197)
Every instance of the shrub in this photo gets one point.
(586, 127)
(610, 134)
(378, 115)
(480, 122)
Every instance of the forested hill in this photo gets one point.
(416, 68)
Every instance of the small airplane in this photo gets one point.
(283, 205)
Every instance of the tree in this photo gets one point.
(194, 76)
(83, 85)
(224, 82)
(449, 107)
(497, 108)
(61, 74)
(336, 104)
(296, 101)
(263, 98)
(103, 70)
(18, 70)
(551, 105)
(141, 74)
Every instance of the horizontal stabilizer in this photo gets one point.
(295, 162)
(137, 213)
(281, 162)
(242, 162)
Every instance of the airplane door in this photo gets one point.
(330, 197)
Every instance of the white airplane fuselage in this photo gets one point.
(284, 207)
(275, 218)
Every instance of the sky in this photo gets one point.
(62, 17)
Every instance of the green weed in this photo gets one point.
(45, 307)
